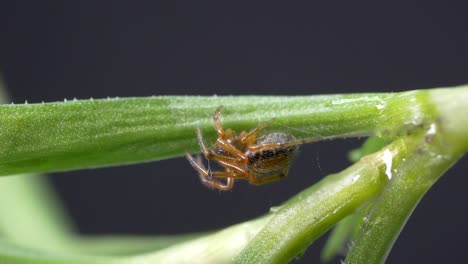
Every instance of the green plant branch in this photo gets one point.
(336, 244)
(127, 245)
(439, 148)
(346, 229)
(309, 216)
(92, 133)
(427, 161)
(219, 247)
(30, 197)
(81, 134)
(452, 106)
(210, 248)
(30, 214)
(11, 253)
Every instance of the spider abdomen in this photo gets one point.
(276, 160)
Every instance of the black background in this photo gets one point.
(51, 50)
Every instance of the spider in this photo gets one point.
(245, 156)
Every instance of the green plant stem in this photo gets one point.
(311, 213)
(11, 253)
(30, 197)
(30, 214)
(127, 245)
(92, 133)
(346, 229)
(409, 183)
(452, 106)
(219, 247)
(370, 146)
(339, 237)
(438, 149)
(426, 137)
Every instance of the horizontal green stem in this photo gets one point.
(81, 134)
(31, 214)
(92, 133)
(452, 108)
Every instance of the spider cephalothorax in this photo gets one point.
(246, 156)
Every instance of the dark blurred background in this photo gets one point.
(51, 50)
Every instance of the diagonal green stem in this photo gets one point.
(346, 229)
(31, 215)
(311, 213)
(11, 253)
(437, 150)
(394, 207)
(339, 237)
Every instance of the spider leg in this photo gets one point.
(228, 147)
(235, 167)
(217, 122)
(200, 142)
(255, 131)
(197, 164)
(231, 149)
(283, 145)
(217, 185)
(205, 176)
(256, 181)
(224, 135)
(221, 158)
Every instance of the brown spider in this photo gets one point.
(245, 156)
